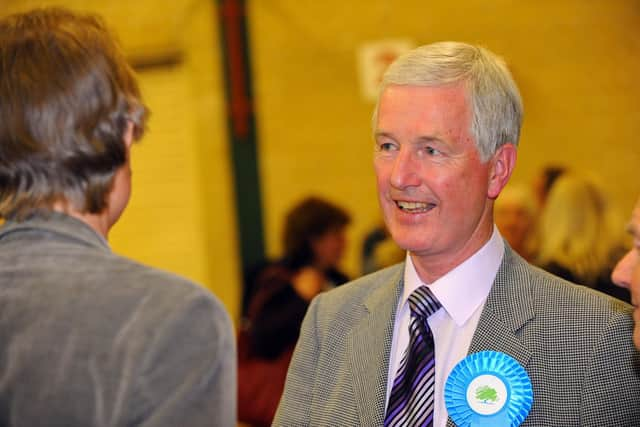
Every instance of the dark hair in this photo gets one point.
(66, 96)
(309, 219)
(550, 176)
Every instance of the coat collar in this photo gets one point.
(508, 308)
(54, 226)
(369, 349)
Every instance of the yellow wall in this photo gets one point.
(181, 215)
(577, 63)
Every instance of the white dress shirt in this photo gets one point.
(462, 293)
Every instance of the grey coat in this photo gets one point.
(574, 343)
(89, 338)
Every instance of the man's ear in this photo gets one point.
(128, 134)
(502, 164)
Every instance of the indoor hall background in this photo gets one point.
(577, 63)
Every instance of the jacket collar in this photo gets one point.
(369, 349)
(508, 308)
(54, 226)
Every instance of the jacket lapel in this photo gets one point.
(509, 306)
(369, 350)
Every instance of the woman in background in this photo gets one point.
(579, 237)
(314, 244)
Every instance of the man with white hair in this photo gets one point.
(380, 350)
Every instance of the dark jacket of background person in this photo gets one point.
(279, 300)
(578, 235)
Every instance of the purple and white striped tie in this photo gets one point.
(411, 399)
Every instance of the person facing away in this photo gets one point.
(314, 242)
(627, 270)
(446, 127)
(579, 239)
(89, 338)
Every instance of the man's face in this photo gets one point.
(627, 272)
(434, 191)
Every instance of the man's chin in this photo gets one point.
(416, 248)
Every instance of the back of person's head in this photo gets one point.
(307, 220)
(67, 96)
(578, 228)
(493, 94)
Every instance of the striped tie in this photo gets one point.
(411, 399)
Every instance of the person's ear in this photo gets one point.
(502, 164)
(128, 134)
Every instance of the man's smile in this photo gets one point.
(414, 207)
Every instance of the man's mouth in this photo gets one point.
(415, 207)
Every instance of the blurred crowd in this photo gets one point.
(565, 224)
(277, 295)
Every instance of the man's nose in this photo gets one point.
(406, 169)
(621, 275)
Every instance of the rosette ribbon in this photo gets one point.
(488, 389)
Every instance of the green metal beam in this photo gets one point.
(242, 130)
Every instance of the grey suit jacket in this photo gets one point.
(88, 338)
(574, 343)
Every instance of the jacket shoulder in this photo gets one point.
(363, 288)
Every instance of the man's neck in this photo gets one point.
(99, 222)
(433, 266)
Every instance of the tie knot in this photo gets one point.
(423, 303)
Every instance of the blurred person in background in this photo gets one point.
(544, 180)
(515, 216)
(89, 338)
(314, 244)
(579, 235)
(379, 250)
(627, 271)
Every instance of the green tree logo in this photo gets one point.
(486, 394)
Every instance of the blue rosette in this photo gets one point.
(488, 388)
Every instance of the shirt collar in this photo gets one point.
(462, 290)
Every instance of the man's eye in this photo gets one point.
(385, 146)
(432, 151)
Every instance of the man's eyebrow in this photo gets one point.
(379, 133)
(421, 139)
(429, 139)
